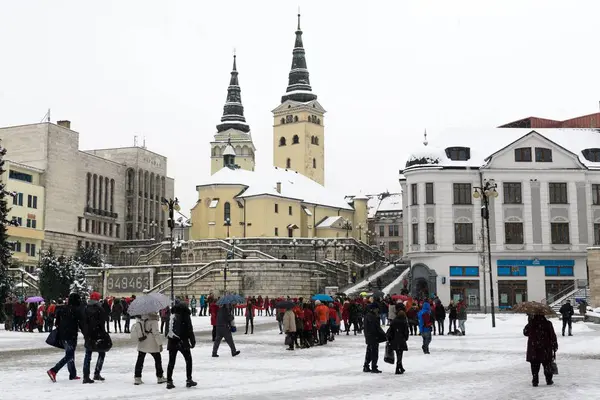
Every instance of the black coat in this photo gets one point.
(94, 332)
(69, 319)
(224, 317)
(373, 332)
(452, 311)
(566, 310)
(541, 342)
(398, 333)
(186, 338)
(440, 312)
(106, 308)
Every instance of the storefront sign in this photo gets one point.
(536, 262)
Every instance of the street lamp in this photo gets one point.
(347, 225)
(227, 224)
(294, 243)
(230, 255)
(360, 227)
(316, 244)
(171, 206)
(334, 244)
(487, 191)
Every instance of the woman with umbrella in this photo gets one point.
(226, 323)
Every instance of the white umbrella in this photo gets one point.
(148, 304)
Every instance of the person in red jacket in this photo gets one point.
(308, 325)
(213, 309)
(346, 316)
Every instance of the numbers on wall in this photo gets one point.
(127, 283)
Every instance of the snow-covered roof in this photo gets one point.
(264, 182)
(485, 142)
(229, 151)
(393, 202)
(329, 222)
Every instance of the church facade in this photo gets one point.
(288, 199)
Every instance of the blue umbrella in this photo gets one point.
(322, 297)
(230, 299)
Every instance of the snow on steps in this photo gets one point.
(396, 284)
(387, 274)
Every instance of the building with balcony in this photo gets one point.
(385, 222)
(97, 198)
(545, 215)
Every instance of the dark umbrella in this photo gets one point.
(230, 299)
(378, 293)
(533, 308)
(285, 304)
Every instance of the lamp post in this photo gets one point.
(294, 243)
(170, 206)
(230, 255)
(316, 244)
(487, 190)
(130, 252)
(360, 228)
(334, 244)
(347, 226)
(227, 224)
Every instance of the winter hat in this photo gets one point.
(317, 302)
(95, 296)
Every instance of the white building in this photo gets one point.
(545, 216)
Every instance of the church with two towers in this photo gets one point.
(288, 199)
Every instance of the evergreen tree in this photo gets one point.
(79, 283)
(54, 282)
(6, 282)
(89, 256)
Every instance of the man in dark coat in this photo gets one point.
(541, 347)
(373, 336)
(69, 319)
(440, 316)
(397, 336)
(96, 338)
(566, 310)
(181, 339)
(106, 308)
(225, 320)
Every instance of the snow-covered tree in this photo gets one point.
(6, 282)
(54, 281)
(89, 256)
(79, 283)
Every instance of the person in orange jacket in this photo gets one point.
(50, 313)
(322, 319)
(39, 320)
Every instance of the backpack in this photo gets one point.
(175, 323)
(139, 332)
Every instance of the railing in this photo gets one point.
(563, 294)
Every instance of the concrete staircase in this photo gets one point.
(579, 293)
(388, 276)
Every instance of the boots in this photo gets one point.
(98, 377)
(170, 385)
(160, 380)
(137, 381)
(190, 383)
(366, 368)
(86, 379)
(536, 380)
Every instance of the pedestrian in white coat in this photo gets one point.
(147, 332)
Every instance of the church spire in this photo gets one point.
(299, 88)
(233, 111)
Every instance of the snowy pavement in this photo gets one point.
(486, 364)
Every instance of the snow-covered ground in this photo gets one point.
(486, 364)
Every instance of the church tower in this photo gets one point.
(233, 130)
(298, 132)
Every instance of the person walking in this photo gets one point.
(425, 324)
(397, 335)
(452, 317)
(413, 320)
(250, 316)
(149, 338)
(224, 325)
(180, 339)
(566, 310)
(440, 317)
(322, 318)
(289, 327)
(541, 347)
(96, 338)
(461, 313)
(165, 315)
(116, 314)
(213, 310)
(202, 306)
(373, 336)
(69, 320)
(194, 305)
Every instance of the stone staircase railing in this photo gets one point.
(386, 278)
(28, 278)
(571, 296)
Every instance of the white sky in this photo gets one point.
(385, 71)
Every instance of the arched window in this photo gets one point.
(317, 140)
(282, 121)
(312, 140)
(319, 121)
(288, 163)
(295, 139)
(289, 118)
(314, 163)
(295, 118)
(227, 211)
(282, 141)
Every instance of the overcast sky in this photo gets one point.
(385, 71)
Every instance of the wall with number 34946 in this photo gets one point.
(127, 282)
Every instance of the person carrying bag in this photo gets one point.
(147, 332)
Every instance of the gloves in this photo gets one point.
(192, 344)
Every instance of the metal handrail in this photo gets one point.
(560, 294)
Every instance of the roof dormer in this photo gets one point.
(592, 154)
(458, 153)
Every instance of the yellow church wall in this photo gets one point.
(262, 218)
(209, 222)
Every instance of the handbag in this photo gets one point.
(553, 365)
(53, 340)
(288, 340)
(389, 356)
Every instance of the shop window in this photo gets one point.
(559, 271)
(517, 270)
(464, 271)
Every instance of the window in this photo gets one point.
(381, 231)
(20, 176)
(558, 193)
(430, 233)
(462, 193)
(30, 249)
(596, 234)
(414, 194)
(18, 199)
(79, 224)
(394, 247)
(110, 230)
(282, 121)
(290, 232)
(516, 270)
(596, 194)
(282, 141)
(591, 154)
(295, 139)
(464, 271)
(523, 154)
(512, 193)
(118, 230)
(288, 163)
(276, 207)
(513, 233)
(289, 118)
(226, 211)
(87, 225)
(31, 223)
(415, 233)
(105, 228)
(393, 230)
(458, 153)
(290, 210)
(276, 231)
(559, 271)
(429, 193)
(543, 155)
(18, 220)
(314, 163)
(463, 233)
(559, 232)
(31, 201)
(17, 247)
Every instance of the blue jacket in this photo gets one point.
(202, 301)
(426, 310)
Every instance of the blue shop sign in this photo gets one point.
(536, 262)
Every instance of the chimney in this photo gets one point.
(278, 187)
(64, 123)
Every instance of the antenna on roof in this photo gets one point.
(46, 117)
(425, 142)
(144, 143)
